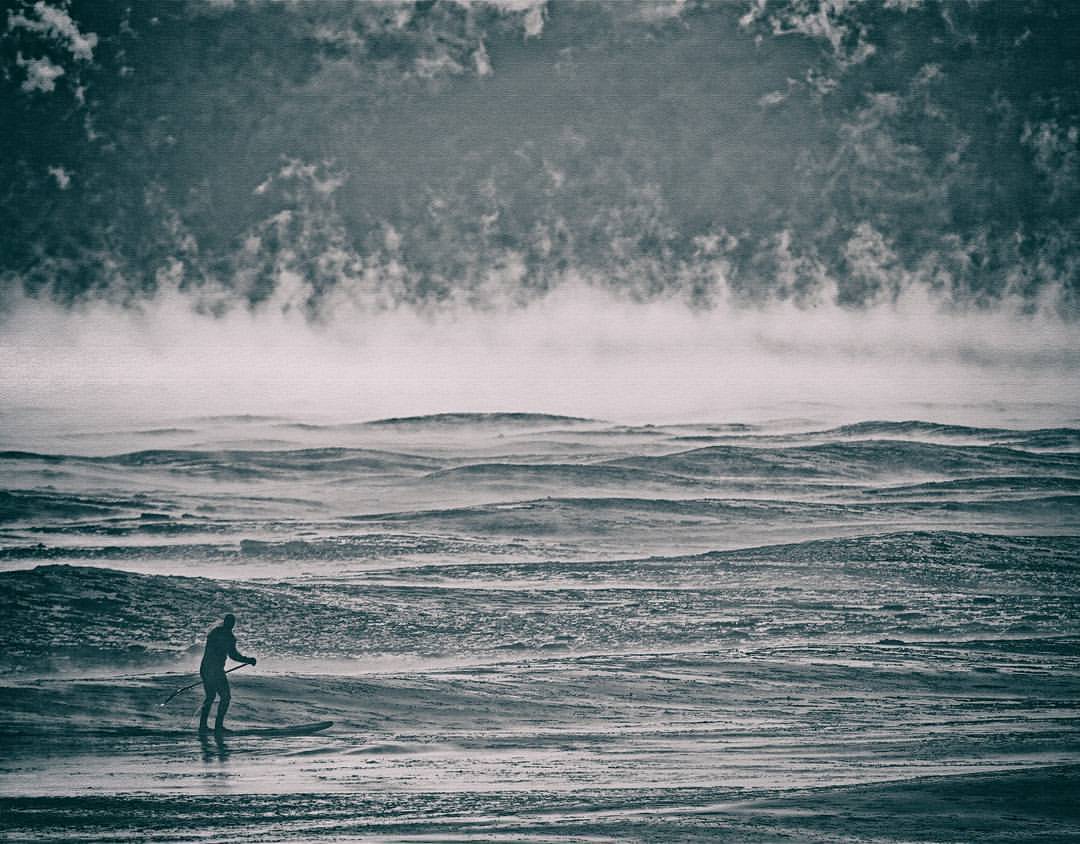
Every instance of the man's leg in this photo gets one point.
(224, 697)
(209, 690)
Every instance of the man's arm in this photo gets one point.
(236, 655)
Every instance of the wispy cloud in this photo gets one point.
(41, 74)
(57, 25)
(62, 176)
(1057, 155)
(833, 21)
(534, 20)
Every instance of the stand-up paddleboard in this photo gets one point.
(272, 732)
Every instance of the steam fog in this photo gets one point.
(579, 351)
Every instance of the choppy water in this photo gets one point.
(527, 625)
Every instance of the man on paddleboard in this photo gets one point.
(220, 644)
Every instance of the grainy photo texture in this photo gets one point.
(536, 420)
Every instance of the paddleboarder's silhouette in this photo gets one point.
(220, 644)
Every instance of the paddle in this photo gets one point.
(197, 682)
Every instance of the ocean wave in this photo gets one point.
(567, 474)
(242, 418)
(239, 464)
(857, 452)
(901, 456)
(913, 429)
(232, 546)
(367, 547)
(605, 527)
(548, 515)
(857, 460)
(314, 460)
(179, 552)
(558, 511)
(981, 486)
(33, 455)
(35, 506)
(85, 616)
(864, 588)
(438, 421)
(1050, 439)
(1053, 554)
(1038, 439)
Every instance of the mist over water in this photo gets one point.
(579, 351)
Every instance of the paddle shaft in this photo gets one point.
(197, 682)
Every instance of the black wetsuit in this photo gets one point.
(220, 645)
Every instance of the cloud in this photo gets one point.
(657, 11)
(309, 174)
(872, 263)
(1057, 155)
(534, 21)
(430, 42)
(834, 21)
(58, 26)
(62, 176)
(481, 61)
(755, 11)
(533, 13)
(41, 74)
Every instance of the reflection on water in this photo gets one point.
(214, 748)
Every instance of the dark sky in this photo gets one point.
(435, 152)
